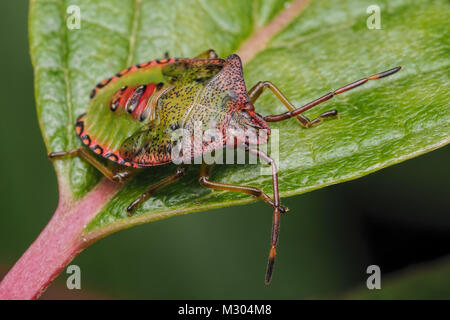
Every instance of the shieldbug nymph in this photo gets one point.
(131, 117)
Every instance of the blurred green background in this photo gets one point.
(397, 218)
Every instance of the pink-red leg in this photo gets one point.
(276, 213)
(256, 91)
(257, 192)
(254, 191)
(116, 175)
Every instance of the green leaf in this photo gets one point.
(325, 46)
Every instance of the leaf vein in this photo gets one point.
(134, 28)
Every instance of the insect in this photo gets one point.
(132, 115)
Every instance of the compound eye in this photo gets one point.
(248, 106)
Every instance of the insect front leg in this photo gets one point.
(254, 191)
(257, 192)
(208, 54)
(180, 172)
(256, 91)
(121, 175)
(276, 214)
(259, 88)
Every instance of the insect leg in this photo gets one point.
(208, 54)
(180, 172)
(328, 114)
(259, 88)
(276, 214)
(114, 175)
(254, 191)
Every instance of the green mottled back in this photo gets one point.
(133, 115)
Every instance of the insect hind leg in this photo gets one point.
(114, 175)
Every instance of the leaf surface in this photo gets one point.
(325, 46)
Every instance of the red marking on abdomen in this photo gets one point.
(144, 100)
(105, 151)
(124, 96)
(124, 99)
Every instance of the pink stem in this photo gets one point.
(56, 246)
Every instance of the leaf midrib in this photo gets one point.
(134, 28)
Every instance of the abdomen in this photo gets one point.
(120, 106)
